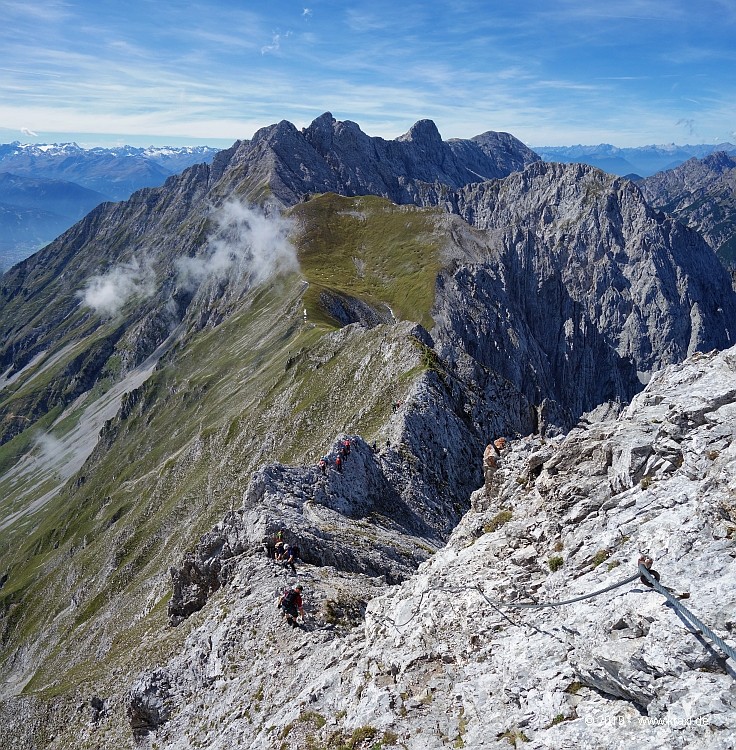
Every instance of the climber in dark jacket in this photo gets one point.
(291, 604)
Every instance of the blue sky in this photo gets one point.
(627, 72)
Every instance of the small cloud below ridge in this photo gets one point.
(107, 293)
(245, 242)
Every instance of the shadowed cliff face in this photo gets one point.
(586, 290)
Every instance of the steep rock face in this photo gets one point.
(589, 283)
(702, 194)
(445, 658)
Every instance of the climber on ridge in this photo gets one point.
(291, 605)
(288, 556)
(278, 546)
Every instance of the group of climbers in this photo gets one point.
(290, 601)
(343, 452)
(277, 549)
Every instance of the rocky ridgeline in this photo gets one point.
(702, 194)
(352, 519)
(441, 661)
(587, 283)
(336, 156)
(390, 506)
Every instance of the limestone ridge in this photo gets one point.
(333, 156)
(584, 237)
(436, 665)
(246, 395)
(576, 255)
(390, 507)
(157, 226)
(702, 194)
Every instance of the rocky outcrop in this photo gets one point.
(380, 515)
(148, 704)
(335, 156)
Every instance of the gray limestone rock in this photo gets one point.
(443, 657)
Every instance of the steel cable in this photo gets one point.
(687, 614)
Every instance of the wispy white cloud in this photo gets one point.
(246, 243)
(108, 293)
(275, 45)
(28, 132)
(49, 11)
(382, 64)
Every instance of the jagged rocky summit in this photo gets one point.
(336, 156)
(441, 661)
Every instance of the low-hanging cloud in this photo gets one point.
(107, 293)
(245, 243)
(49, 447)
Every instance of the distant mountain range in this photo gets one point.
(45, 189)
(641, 161)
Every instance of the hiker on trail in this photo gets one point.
(338, 463)
(288, 556)
(491, 457)
(291, 605)
(323, 466)
(346, 447)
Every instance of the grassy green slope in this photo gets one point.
(371, 249)
(89, 574)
